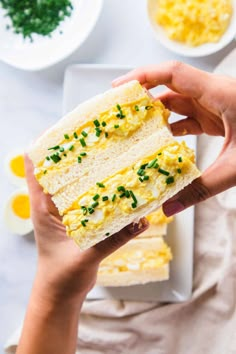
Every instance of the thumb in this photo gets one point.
(221, 175)
(104, 248)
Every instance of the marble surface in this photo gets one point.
(30, 102)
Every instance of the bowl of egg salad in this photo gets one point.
(193, 28)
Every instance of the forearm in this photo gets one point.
(51, 324)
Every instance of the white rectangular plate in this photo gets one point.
(83, 82)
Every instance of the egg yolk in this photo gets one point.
(17, 166)
(21, 206)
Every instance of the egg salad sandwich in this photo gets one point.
(142, 260)
(111, 161)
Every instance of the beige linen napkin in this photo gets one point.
(204, 324)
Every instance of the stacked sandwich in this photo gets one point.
(141, 260)
(111, 161)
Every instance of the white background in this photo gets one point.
(29, 102)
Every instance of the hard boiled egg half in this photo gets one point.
(17, 213)
(15, 168)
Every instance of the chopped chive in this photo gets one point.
(145, 178)
(113, 198)
(44, 172)
(141, 179)
(84, 209)
(62, 149)
(127, 194)
(90, 210)
(105, 198)
(148, 108)
(75, 135)
(118, 115)
(83, 222)
(96, 196)
(133, 197)
(98, 133)
(118, 107)
(84, 133)
(160, 153)
(156, 165)
(47, 158)
(144, 166)
(64, 155)
(82, 142)
(136, 107)
(71, 148)
(94, 205)
(122, 195)
(170, 180)
(79, 159)
(101, 185)
(66, 136)
(55, 158)
(134, 205)
(54, 147)
(141, 172)
(179, 170)
(180, 159)
(163, 172)
(83, 154)
(96, 123)
(152, 163)
(121, 189)
(106, 134)
(104, 124)
(108, 234)
(116, 126)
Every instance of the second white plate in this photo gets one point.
(83, 82)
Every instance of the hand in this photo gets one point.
(209, 103)
(62, 267)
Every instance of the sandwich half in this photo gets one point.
(111, 161)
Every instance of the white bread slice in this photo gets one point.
(137, 262)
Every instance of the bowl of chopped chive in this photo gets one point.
(35, 34)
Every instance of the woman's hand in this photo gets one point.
(208, 103)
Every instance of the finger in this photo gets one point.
(217, 178)
(178, 103)
(178, 76)
(111, 244)
(33, 185)
(186, 126)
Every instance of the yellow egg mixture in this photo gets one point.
(126, 259)
(130, 188)
(158, 217)
(114, 125)
(194, 22)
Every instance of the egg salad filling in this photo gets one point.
(135, 260)
(158, 217)
(114, 125)
(128, 189)
(194, 22)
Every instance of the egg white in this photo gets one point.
(15, 224)
(15, 180)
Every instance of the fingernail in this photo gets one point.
(172, 208)
(139, 227)
(117, 80)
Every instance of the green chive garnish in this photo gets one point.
(159, 154)
(98, 133)
(62, 149)
(54, 147)
(116, 126)
(108, 234)
(163, 172)
(141, 179)
(94, 205)
(101, 185)
(113, 198)
(96, 123)
(55, 158)
(179, 170)
(180, 159)
(106, 134)
(83, 222)
(82, 142)
(127, 194)
(48, 158)
(134, 205)
(136, 107)
(141, 172)
(64, 155)
(121, 189)
(156, 165)
(133, 197)
(83, 154)
(118, 107)
(79, 159)
(71, 148)
(144, 166)
(104, 124)
(170, 180)
(84, 133)
(75, 135)
(84, 209)
(44, 172)
(105, 198)
(145, 178)
(148, 107)
(122, 195)
(66, 136)
(152, 163)
(90, 210)
(96, 196)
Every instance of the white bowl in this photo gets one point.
(46, 51)
(183, 49)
